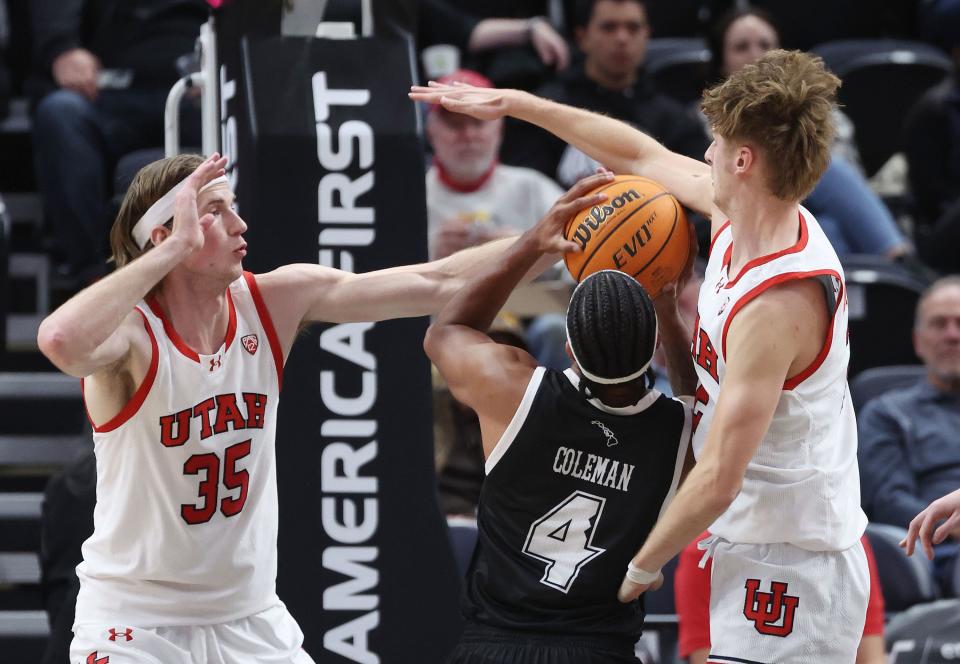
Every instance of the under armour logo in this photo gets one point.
(215, 363)
(611, 438)
(768, 609)
(92, 659)
(126, 634)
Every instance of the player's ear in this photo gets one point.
(745, 158)
(159, 234)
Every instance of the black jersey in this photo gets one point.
(573, 488)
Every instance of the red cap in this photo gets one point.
(467, 76)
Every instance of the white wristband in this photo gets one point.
(641, 576)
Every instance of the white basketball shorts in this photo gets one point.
(269, 637)
(780, 604)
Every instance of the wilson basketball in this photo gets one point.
(640, 229)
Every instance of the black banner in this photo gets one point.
(328, 169)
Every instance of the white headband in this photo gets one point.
(162, 211)
(611, 381)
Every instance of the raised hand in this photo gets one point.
(480, 103)
(187, 223)
(946, 509)
(549, 230)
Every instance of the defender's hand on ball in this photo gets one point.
(187, 223)
(548, 233)
(630, 591)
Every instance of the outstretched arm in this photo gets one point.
(614, 144)
(763, 344)
(299, 293)
(94, 329)
(488, 377)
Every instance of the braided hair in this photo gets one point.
(612, 330)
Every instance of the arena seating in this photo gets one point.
(873, 382)
(881, 296)
(679, 66)
(43, 423)
(905, 580)
(881, 81)
(925, 634)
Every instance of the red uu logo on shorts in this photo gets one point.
(772, 612)
(92, 659)
(250, 343)
(125, 634)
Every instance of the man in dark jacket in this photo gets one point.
(613, 37)
(107, 65)
(909, 449)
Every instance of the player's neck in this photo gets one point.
(761, 225)
(198, 310)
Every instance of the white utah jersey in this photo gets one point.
(802, 487)
(185, 526)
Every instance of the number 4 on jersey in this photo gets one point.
(563, 538)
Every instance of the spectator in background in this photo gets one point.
(909, 448)
(514, 43)
(933, 149)
(850, 213)
(518, 48)
(109, 66)
(472, 198)
(691, 589)
(613, 36)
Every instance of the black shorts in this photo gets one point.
(488, 645)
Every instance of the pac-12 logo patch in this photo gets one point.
(772, 612)
(250, 343)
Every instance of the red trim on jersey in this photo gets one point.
(875, 606)
(800, 245)
(231, 322)
(776, 280)
(133, 405)
(794, 381)
(716, 236)
(178, 341)
(267, 323)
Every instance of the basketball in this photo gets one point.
(640, 229)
